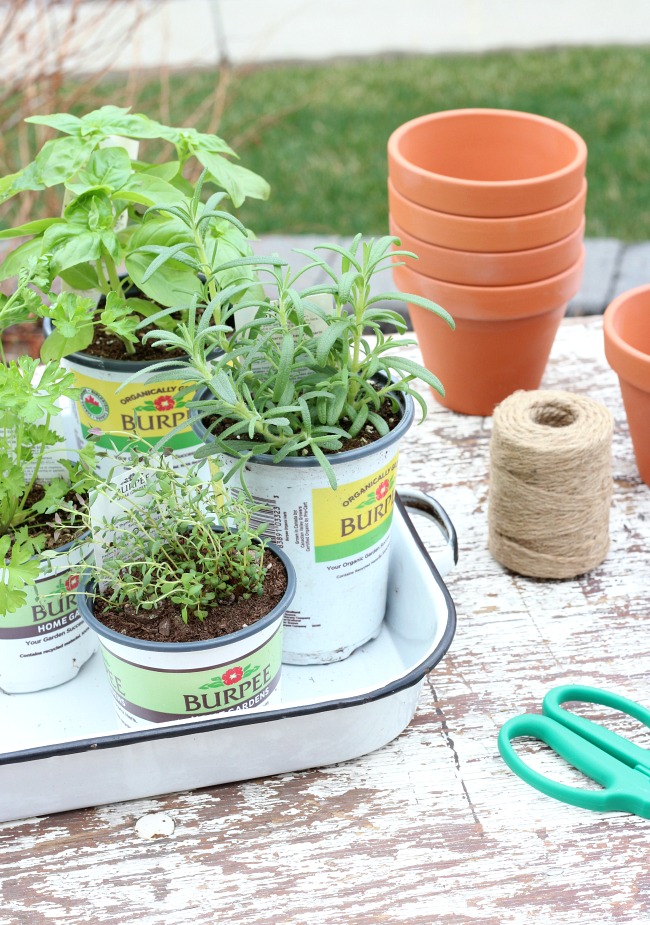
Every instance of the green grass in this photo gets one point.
(318, 134)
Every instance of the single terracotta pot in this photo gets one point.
(492, 353)
(463, 232)
(492, 269)
(626, 327)
(486, 162)
(482, 362)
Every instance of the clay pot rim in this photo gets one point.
(493, 222)
(489, 255)
(628, 362)
(496, 302)
(484, 197)
(441, 227)
(505, 267)
(579, 158)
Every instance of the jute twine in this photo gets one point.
(550, 484)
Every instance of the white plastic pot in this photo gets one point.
(157, 682)
(45, 642)
(338, 540)
(116, 416)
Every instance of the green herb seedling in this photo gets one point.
(159, 540)
(299, 379)
(105, 194)
(30, 397)
(195, 253)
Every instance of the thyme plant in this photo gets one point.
(160, 541)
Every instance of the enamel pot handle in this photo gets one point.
(414, 500)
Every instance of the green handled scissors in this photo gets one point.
(621, 767)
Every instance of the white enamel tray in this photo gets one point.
(63, 749)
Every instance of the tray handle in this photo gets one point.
(412, 499)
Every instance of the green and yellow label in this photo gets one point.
(355, 516)
(50, 606)
(158, 695)
(115, 415)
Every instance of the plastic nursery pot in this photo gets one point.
(338, 540)
(492, 269)
(492, 352)
(140, 410)
(486, 162)
(499, 235)
(116, 415)
(45, 642)
(157, 682)
(626, 327)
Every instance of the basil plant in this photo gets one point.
(105, 192)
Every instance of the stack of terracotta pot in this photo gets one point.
(492, 203)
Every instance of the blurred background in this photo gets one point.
(308, 92)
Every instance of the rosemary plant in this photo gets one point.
(298, 377)
(194, 252)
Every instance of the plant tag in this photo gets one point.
(111, 416)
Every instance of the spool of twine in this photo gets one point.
(550, 484)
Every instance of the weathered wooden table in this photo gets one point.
(433, 827)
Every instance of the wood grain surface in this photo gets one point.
(433, 828)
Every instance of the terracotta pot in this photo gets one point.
(486, 162)
(626, 326)
(492, 269)
(487, 234)
(492, 353)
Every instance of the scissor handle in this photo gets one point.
(623, 788)
(633, 755)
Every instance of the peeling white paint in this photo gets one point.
(155, 825)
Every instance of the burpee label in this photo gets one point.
(159, 695)
(355, 516)
(51, 606)
(146, 411)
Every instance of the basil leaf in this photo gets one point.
(237, 181)
(61, 121)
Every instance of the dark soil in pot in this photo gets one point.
(109, 346)
(56, 528)
(367, 435)
(164, 623)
